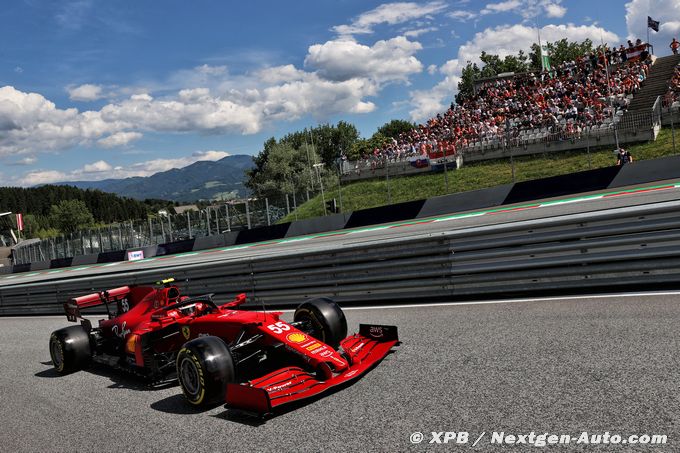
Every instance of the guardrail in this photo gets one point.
(614, 248)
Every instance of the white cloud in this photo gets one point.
(528, 9)
(28, 160)
(211, 70)
(665, 11)
(419, 31)
(119, 139)
(30, 123)
(391, 14)
(427, 103)
(210, 155)
(389, 60)
(555, 10)
(502, 40)
(340, 76)
(501, 7)
(97, 167)
(86, 92)
(35, 178)
(462, 15)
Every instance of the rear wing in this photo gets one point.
(73, 306)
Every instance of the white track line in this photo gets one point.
(509, 301)
(442, 304)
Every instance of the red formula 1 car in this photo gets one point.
(251, 360)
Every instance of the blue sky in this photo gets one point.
(96, 89)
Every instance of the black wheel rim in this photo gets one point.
(190, 377)
(55, 352)
(316, 330)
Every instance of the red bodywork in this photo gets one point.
(149, 321)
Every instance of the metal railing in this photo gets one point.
(215, 219)
(615, 248)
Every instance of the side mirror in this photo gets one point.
(238, 300)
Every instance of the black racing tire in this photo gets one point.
(326, 318)
(70, 349)
(204, 368)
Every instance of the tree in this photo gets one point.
(560, 51)
(328, 142)
(393, 128)
(366, 146)
(288, 170)
(70, 216)
(492, 65)
(470, 73)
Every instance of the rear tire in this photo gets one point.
(326, 318)
(70, 349)
(204, 368)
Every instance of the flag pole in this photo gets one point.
(648, 43)
(609, 90)
(540, 46)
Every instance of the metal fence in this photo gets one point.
(614, 248)
(214, 219)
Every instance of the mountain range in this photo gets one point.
(202, 180)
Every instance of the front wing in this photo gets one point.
(291, 384)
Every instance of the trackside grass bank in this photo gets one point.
(373, 193)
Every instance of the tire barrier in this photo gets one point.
(613, 248)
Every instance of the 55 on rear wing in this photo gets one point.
(73, 306)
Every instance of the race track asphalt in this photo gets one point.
(556, 365)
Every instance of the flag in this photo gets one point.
(545, 58)
(20, 222)
(653, 24)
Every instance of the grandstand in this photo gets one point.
(596, 100)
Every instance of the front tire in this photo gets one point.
(204, 368)
(70, 349)
(326, 319)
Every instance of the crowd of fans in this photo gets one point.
(589, 92)
(672, 97)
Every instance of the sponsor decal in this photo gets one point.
(121, 331)
(296, 337)
(186, 332)
(279, 327)
(341, 362)
(136, 255)
(351, 373)
(326, 353)
(376, 332)
(357, 347)
(279, 387)
(130, 344)
(313, 347)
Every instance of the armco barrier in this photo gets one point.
(615, 248)
(585, 181)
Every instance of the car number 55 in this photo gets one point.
(278, 327)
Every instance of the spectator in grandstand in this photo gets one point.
(674, 46)
(565, 102)
(623, 157)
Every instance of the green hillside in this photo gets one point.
(369, 194)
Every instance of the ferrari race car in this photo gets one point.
(250, 360)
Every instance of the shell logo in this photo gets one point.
(296, 337)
